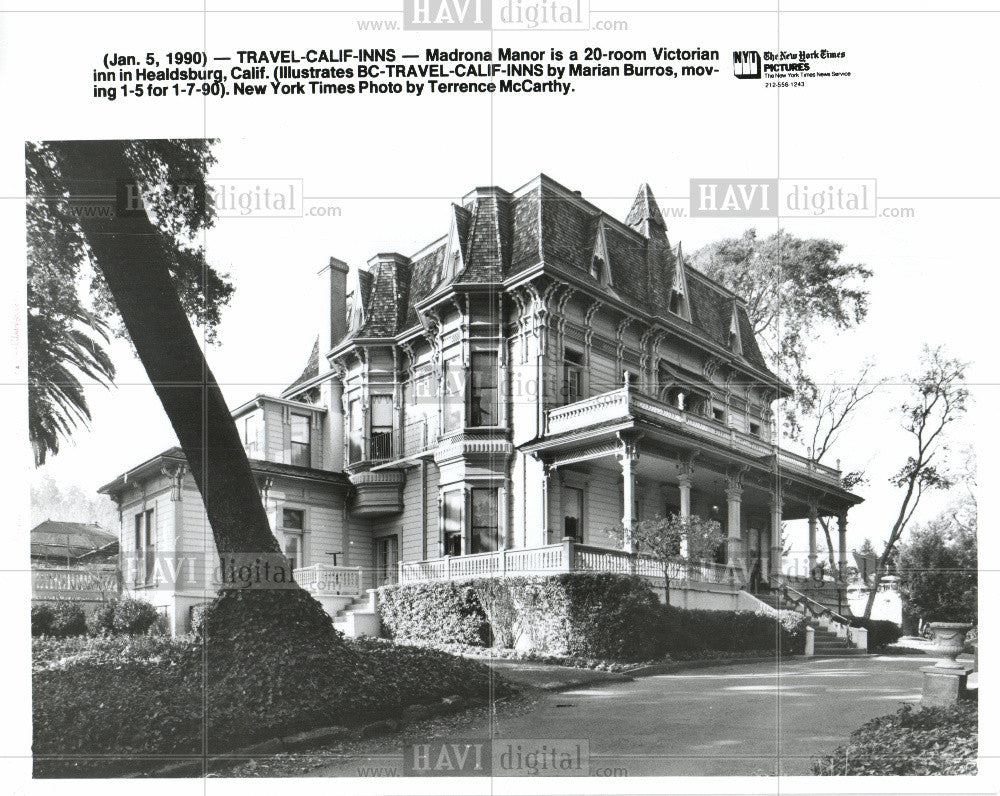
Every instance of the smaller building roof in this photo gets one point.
(57, 539)
(175, 455)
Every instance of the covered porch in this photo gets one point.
(623, 456)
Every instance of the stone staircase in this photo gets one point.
(826, 642)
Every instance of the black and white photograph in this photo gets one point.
(433, 397)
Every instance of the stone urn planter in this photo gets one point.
(949, 641)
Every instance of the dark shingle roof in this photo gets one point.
(500, 234)
(68, 540)
(310, 371)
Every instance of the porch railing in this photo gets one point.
(566, 556)
(69, 583)
(626, 402)
(328, 580)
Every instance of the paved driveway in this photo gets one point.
(741, 719)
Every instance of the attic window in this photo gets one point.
(598, 270)
(676, 303)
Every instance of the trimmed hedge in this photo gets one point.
(262, 667)
(927, 741)
(881, 632)
(433, 612)
(581, 615)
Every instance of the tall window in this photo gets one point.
(454, 393)
(356, 431)
(145, 548)
(485, 524)
(483, 400)
(301, 440)
(381, 430)
(250, 434)
(451, 514)
(572, 501)
(572, 376)
(293, 523)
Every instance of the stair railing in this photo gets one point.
(840, 624)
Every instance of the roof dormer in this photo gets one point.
(735, 339)
(600, 263)
(680, 305)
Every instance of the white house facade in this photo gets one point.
(504, 401)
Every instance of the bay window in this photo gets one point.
(381, 428)
(483, 397)
(454, 393)
(485, 521)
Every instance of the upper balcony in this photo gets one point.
(627, 404)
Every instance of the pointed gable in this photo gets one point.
(455, 250)
(679, 302)
(645, 214)
(600, 260)
(735, 333)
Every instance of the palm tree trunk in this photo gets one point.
(128, 252)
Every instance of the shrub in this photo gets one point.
(433, 613)
(925, 741)
(68, 619)
(880, 631)
(126, 615)
(41, 619)
(734, 631)
(116, 698)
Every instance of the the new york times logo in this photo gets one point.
(746, 64)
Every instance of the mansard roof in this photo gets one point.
(495, 235)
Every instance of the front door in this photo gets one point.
(386, 559)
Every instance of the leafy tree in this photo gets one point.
(939, 398)
(826, 420)
(139, 258)
(71, 311)
(939, 579)
(673, 540)
(50, 501)
(793, 287)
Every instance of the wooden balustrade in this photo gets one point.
(325, 579)
(566, 556)
(626, 401)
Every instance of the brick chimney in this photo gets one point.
(334, 324)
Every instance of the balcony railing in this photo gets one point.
(328, 580)
(625, 404)
(566, 556)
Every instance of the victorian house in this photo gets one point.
(508, 399)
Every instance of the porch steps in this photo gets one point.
(826, 643)
(358, 618)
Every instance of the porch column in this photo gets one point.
(546, 472)
(734, 541)
(813, 522)
(842, 546)
(627, 456)
(684, 484)
(776, 564)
